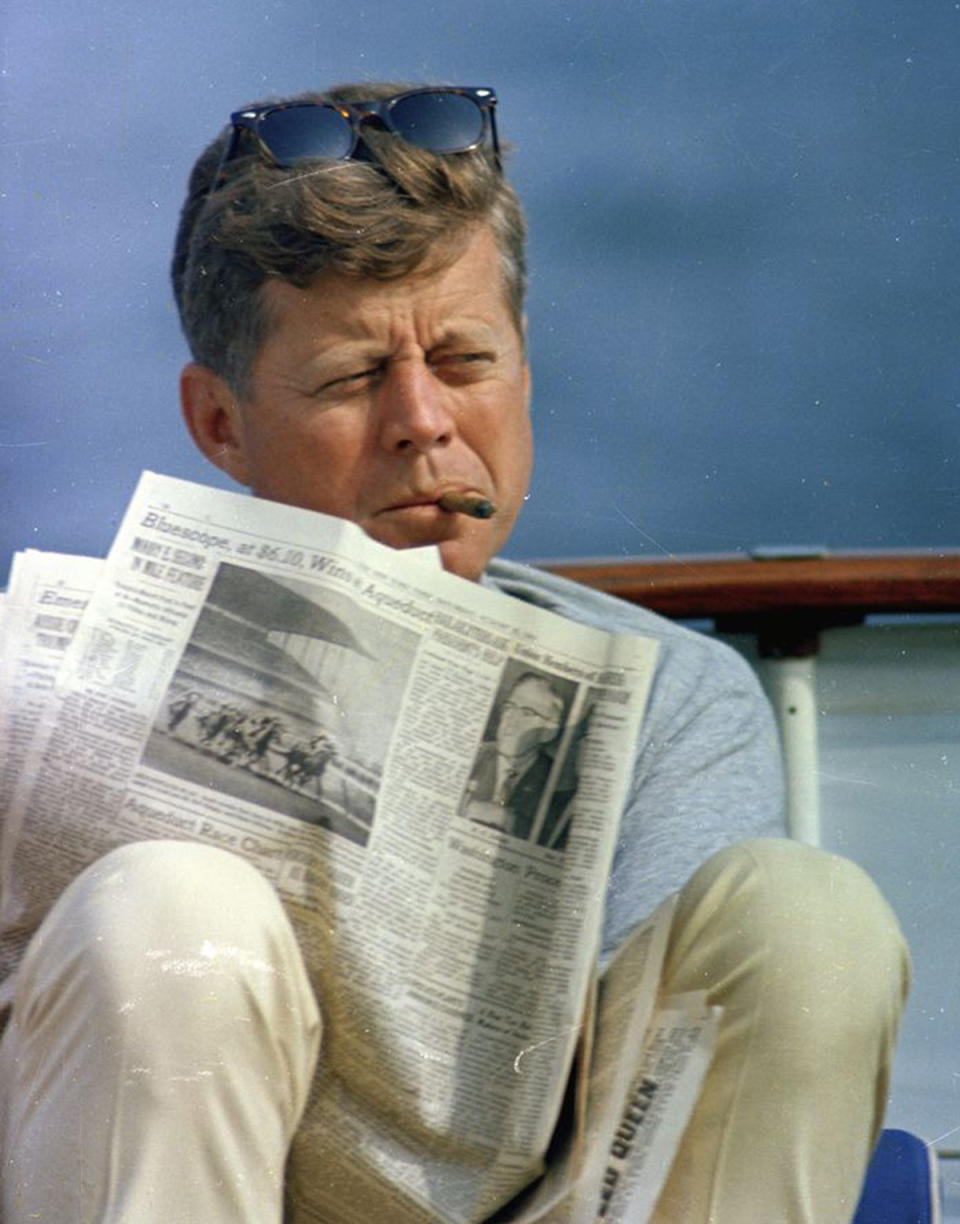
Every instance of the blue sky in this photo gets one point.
(744, 217)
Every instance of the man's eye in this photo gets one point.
(461, 363)
(350, 382)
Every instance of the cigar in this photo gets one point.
(467, 503)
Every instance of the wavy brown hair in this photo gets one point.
(405, 210)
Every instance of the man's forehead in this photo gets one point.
(461, 291)
(363, 312)
(309, 342)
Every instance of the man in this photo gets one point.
(512, 771)
(350, 279)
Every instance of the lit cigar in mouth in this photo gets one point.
(467, 503)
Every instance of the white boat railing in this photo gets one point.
(775, 605)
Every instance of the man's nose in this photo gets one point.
(414, 409)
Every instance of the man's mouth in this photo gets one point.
(468, 502)
(412, 503)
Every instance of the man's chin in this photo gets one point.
(465, 558)
(464, 546)
(466, 561)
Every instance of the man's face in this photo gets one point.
(530, 716)
(371, 399)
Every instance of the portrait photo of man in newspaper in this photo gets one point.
(525, 775)
(385, 1033)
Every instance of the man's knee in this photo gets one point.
(164, 995)
(149, 913)
(168, 873)
(812, 923)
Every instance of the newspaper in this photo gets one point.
(46, 596)
(271, 681)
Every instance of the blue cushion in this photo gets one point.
(899, 1184)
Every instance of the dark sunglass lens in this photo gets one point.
(298, 133)
(440, 122)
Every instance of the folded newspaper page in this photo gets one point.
(641, 1065)
(46, 597)
(626, 1000)
(271, 681)
(658, 1106)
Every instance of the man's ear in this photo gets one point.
(212, 414)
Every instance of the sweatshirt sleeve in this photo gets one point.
(707, 772)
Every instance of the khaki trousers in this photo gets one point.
(164, 1037)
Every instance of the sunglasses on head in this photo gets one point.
(443, 119)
